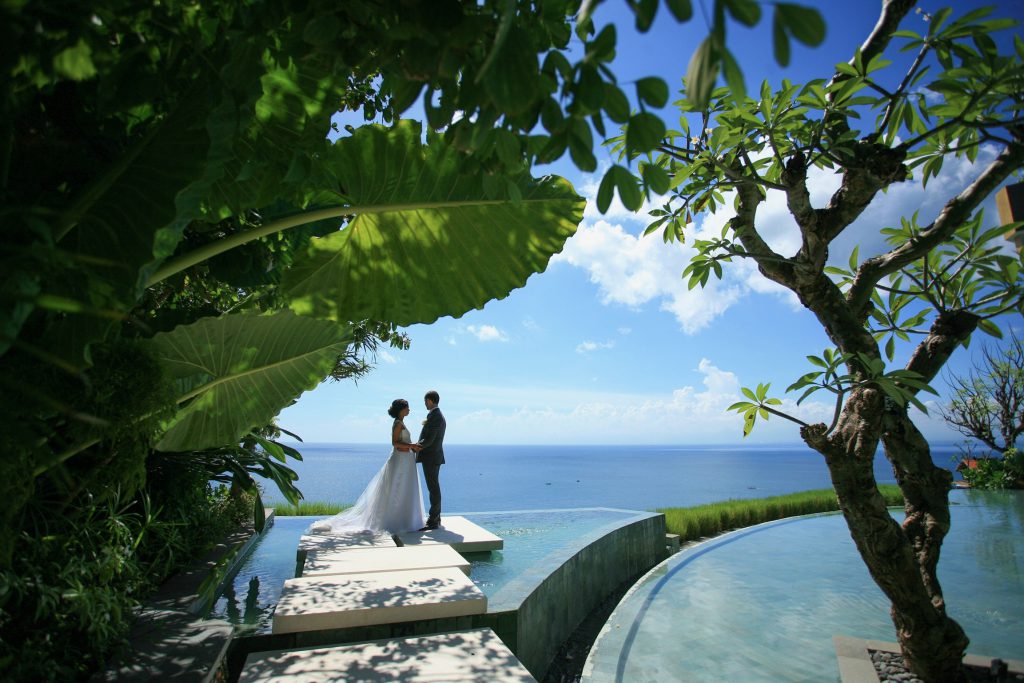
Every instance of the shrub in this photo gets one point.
(1000, 472)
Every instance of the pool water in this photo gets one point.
(762, 604)
(532, 541)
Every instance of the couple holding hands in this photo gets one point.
(393, 501)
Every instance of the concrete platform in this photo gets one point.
(365, 560)
(329, 602)
(458, 532)
(476, 655)
(352, 540)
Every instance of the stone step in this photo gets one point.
(329, 602)
(458, 532)
(326, 563)
(477, 655)
(339, 542)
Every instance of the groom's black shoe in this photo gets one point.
(431, 526)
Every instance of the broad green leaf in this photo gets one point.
(424, 242)
(629, 190)
(75, 62)
(606, 191)
(734, 78)
(644, 133)
(237, 372)
(615, 103)
(746, 12)
(513, 82)
(655, 177)
(131, 215)
(748, 422)
(804, 23)
(780, 40)
(700, 75)
(682, 10)
(645, 11)
(653, 91)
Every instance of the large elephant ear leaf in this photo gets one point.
(426, 241)
(237, 372)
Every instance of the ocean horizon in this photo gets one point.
(490, 477)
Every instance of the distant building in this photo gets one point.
(1010, 202)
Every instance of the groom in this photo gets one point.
(431, 455)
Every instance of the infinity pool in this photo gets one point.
(532, 539)
(762, 604)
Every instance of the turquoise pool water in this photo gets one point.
(532, 538)
(762, 604)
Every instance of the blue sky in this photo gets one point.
(608, 346)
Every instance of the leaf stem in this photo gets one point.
(208, 251)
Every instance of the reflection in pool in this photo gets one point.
(530, 538)
(762, 604)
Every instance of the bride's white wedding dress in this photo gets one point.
(391, 502)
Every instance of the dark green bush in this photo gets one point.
(68, 596)
(999, 472)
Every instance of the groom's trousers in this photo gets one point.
(431, 473)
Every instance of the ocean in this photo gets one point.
(478, 478)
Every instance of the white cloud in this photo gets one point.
(387, 357)
(487, 333)
(635, 271)
(625, 330)
(686, 415)
(531, 325)
(588, 346)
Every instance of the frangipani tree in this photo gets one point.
(941, 278)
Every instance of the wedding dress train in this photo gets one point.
(391, 502)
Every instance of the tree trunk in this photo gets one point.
(939, 647)
(901, 561)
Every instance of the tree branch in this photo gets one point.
(955, 213)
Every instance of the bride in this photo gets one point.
(392, 501)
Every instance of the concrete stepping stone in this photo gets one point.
(458, 532)
(317, 603)
(350, 540)
(477, 655)
(327, 563)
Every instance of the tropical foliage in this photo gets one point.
(935, 279)
(185, 252)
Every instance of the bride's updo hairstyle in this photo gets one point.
(397, 406)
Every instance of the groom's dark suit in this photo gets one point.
(431, 456)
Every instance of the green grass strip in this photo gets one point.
(701, 521)
(691, 523)
(308, 509)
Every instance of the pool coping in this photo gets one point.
(855, 665)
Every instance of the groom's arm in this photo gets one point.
(429, 434)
